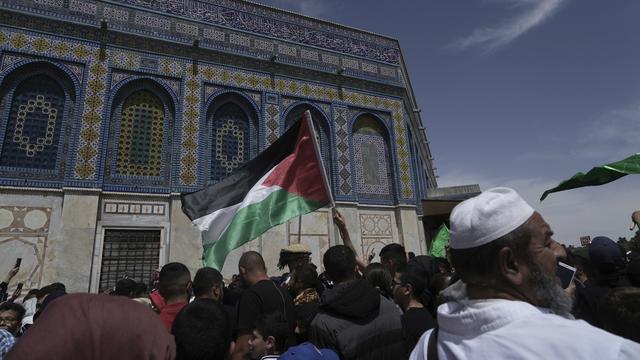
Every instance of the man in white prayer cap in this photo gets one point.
(508, 304)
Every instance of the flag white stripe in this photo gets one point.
(215, 224)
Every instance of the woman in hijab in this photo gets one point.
(87, 326)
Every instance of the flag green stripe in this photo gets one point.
(599, 175)
(439, 245)
(253, 220)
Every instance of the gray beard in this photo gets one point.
(548, 293)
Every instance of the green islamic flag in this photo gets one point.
(439, 244)
(599, 175)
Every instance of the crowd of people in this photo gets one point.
(496, 296)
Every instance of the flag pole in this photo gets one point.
(325, 180)
(299, 229)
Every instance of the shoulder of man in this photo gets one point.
(420, 350)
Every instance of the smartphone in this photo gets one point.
(565, 273)
(18, 262)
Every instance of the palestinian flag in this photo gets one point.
(284, 181)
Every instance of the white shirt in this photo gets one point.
(504, 329)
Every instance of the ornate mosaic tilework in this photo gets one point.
(115, 13)
(305, 89)
(370, 157)
(171, 67)
(263, 45)
(140, 143)
(272, 23)
(91, 125)
(231, 141)
(301, 40)
(331, 59)
(187, 29)
(213, 34)
(125, 59)
(55, 3)
(256, 97)
(271, 123)
(210, 90)
(400, 135)
(85, 166)
(235, 78)
(190, 129)
(239, 40)
(34, 125)
(10, 59)
(152, 21)
(343, 164)
(83, 7)
(369, 68)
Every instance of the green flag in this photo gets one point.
(599, 175)
(439, 244)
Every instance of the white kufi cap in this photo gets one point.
(487, 217)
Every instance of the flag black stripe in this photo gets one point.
(233, 189)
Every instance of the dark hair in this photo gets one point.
(379, 278)
(173, 280)
(307, 275)
(479, 263)
(19, 309)
(202, 331)
(619, 312)
(339, 263)
(412, 277)
(205, 279)
(125, 287)
(141, 289)
(395, 252)
(276, 325)
(51, 288)
(287, 257)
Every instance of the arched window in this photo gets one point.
(322, 131)
(36, 101)
(374, 180)
(140, 142)
(140, 139)
(234, 139)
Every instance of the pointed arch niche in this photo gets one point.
(37, 102)
(140, 140)
(321, 128)
(233, 134)
(370, 143)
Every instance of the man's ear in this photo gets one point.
(232, 348)
(270, 343)
(510, 268)
(408, 289)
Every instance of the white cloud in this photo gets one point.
(603, 210)
(533, 13)
(607, 137)
(611, 136)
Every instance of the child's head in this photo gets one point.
(270, 336)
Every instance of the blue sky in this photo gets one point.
(520, 93)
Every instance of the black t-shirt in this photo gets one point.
(415, 322)
(265, 297)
